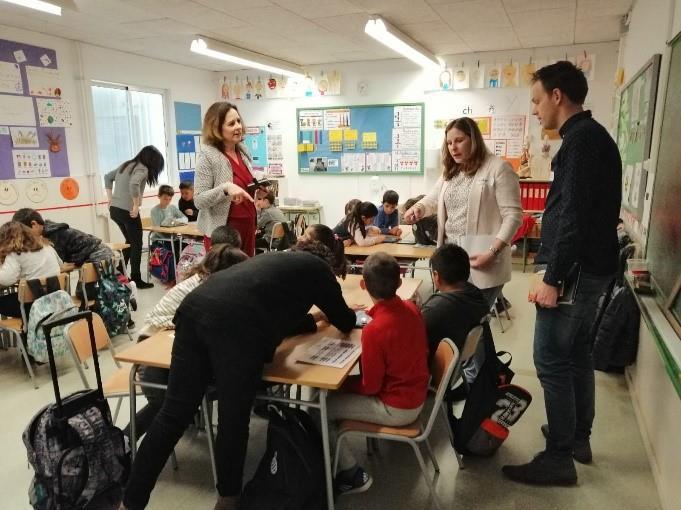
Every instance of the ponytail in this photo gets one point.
(366, 209)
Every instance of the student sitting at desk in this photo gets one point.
(341, 230)
(388, 218)
(186, 202)
(360, 224)
(165, 214)
(23, 255)
(264, 299)
(394, 381)
(268, 216)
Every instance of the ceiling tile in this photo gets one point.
(544, 22)
(398, 11)
(227, 6)
(163, 26)
(540, 41)
(432, 34)
(502, 39)
(536, 5)
(318, 8)
(596, 8)
(599, 29)
(474, 15)
(350, 25)
(114, 11)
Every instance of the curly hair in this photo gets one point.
(17, 238)
(220, 256)
(319, 249)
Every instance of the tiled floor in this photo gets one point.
(620, 477)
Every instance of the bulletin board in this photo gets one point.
(33, 115)
(187, 138)
(635, 132)
(361, 139)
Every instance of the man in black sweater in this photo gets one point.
(579, 234)
(226, 329)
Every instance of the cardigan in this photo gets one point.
(161, 316)
(493, 209)
(213, 170)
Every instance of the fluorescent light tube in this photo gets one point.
(38, 5)
(386, 34)
(246, 58)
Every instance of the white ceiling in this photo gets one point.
(310, 32)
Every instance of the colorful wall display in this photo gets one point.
(188, 123)
(33, 115)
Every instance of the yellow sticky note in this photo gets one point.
(350, 135)
(301, 147)
(369, 137)
(336, 135)
(309, 147)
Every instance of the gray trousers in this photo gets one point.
(351, 406)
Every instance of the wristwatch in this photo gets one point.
(495, 251)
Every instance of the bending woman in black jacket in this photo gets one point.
(226, 330)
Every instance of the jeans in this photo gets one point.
(200, 354)
(562, 357)
(132, 231)
(491, 294)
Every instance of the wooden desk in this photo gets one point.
(354, 295)
(190, 229)
(397, 250)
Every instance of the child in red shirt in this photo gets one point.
(394, 381)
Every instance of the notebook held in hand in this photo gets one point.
(567, 292)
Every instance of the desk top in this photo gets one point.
(354, 295)
(190, 229)
(397, 250)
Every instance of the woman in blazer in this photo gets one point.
(223, 172)
(477, 195)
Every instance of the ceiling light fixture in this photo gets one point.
(236, 55)
(387, 34)
(38, 5)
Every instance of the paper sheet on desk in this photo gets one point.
(476, 244)
(331, 352)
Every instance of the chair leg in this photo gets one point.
(118, 408)
(211, 439)
(501, 325)
(24, 354)
(459, 457)
(173, 461)
(503, 303)
(339, 442)
(436, 466)
(424, 472)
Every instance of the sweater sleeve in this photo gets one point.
(429, 202)
(10, 270)
(162, 314)
(139, 175)
(156, 216)
(207, 192)
(372, 364)
(109, 179)
(177, 214)
(364, 241)
(330, 301)
(507, 192)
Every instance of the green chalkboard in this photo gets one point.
(635, 132)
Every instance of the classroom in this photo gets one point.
(301, 233)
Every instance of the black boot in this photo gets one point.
(141, 284)
(545, 469)
(581, 450)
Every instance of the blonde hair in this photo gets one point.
(479, 151)
(17, 238)
(211, 132)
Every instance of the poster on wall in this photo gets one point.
(187, 138)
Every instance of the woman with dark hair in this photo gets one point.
(223, 173)
(326, 236)
(226, 330)
(477, 195)
(360, 224)
(125, 201)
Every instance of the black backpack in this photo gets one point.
(492, 405)
(290, 475)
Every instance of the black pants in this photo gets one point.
(132, 231)
(9, 305)
(145, 416)
(200, 353)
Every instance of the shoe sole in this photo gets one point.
(579, 459)
(357, 490)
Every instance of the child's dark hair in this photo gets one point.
(225, 234)
(354, 219)
(326, 247)
(566, 77)
(411, 201)
(452, 263)
(186, 185)
(351, 205)
(151, 158)
(390, 197)
(27, 215)
(381, 273)
(166, 190)
(219, 257)
(269, 197)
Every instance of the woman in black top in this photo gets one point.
(226, 330)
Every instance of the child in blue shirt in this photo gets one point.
(166, 214)
(388, 218)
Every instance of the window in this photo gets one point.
(126, 120)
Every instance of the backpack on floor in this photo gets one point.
(190, 256)
(77, 454)
(491, 407)
(290, 475)
(113, 298)
(161, 264)
(53, 302)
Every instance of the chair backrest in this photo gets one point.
(25, 294)
(146, 222)
(277, 233)
(79, 337)
(470, 345)
(87, 273)
(445, 363)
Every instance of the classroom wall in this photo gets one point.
(394, 81)
(78, 64)
(657, 405)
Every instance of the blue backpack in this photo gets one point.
(113, 298)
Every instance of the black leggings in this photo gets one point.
(201, 353)
(132, 231)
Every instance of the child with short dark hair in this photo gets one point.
(360, 225)
(425, 229)
(458, 306)
(165, 214)
(394, 381)
(226, 234)
(186, 202)
(341, 230)
(388, 217)
(268, 216)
